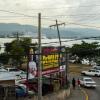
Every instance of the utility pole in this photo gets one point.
(67, 66)
(17, 35)
(57, 25)
(39, 59)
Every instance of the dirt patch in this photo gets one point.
(77, 68)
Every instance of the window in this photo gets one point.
(88, 80)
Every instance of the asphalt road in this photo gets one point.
(93, 94)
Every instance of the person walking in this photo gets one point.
(73, 83)
(78, 83)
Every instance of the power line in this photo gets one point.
(47, 17)
(77, 15)
(74, 39)
(14, 17)
(13, 12)
(82, 24)
(62, 7)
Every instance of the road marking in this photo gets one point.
(86, 95)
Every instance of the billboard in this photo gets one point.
(52, 60)
(32, 65)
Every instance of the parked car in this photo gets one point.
(14, 71)
(21, 90)
(96, 67)
(2, 69)
(91, 72)
(87, 82)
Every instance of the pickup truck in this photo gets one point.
(91, 72)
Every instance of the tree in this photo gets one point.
(18, 49)
(85, 50)
(4, 58)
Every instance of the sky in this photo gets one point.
(72, 12)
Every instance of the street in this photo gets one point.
(94, 94)
(85, 93)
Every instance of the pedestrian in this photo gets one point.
(73, 83)
(78, 82)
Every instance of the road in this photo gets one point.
(93, 94)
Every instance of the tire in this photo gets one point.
(96, 75)
(83, 74)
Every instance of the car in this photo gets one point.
(14, 71)
(21, 90)
(91, 72)
(2, 69)
(87, 82)
(96, 67)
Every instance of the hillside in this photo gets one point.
(6, 29)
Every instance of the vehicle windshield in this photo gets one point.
(13, 69)
(88, 80)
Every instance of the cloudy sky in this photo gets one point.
(85, 12)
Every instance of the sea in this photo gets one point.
(68, 42)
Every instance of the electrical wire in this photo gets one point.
(82, 24)
(74, 39)
(13, 12)
(64, 7)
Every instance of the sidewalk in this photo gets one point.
(76, 94)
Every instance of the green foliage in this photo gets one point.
(85, 49)
(4, 58)
(18, 49)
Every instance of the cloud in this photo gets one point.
(79, 8)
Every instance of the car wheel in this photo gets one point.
(83, 74)
(96, 75)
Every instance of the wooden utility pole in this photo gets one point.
(67, 66)
(57, 25)
(39, 59)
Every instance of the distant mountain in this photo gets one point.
(6, 29)
(14, 27)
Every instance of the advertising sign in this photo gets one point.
(32, 66)
(51, 60)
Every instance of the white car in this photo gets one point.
(87, 82)
(14, 71)
(91, 72)
(96, 67)
(2, 69)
